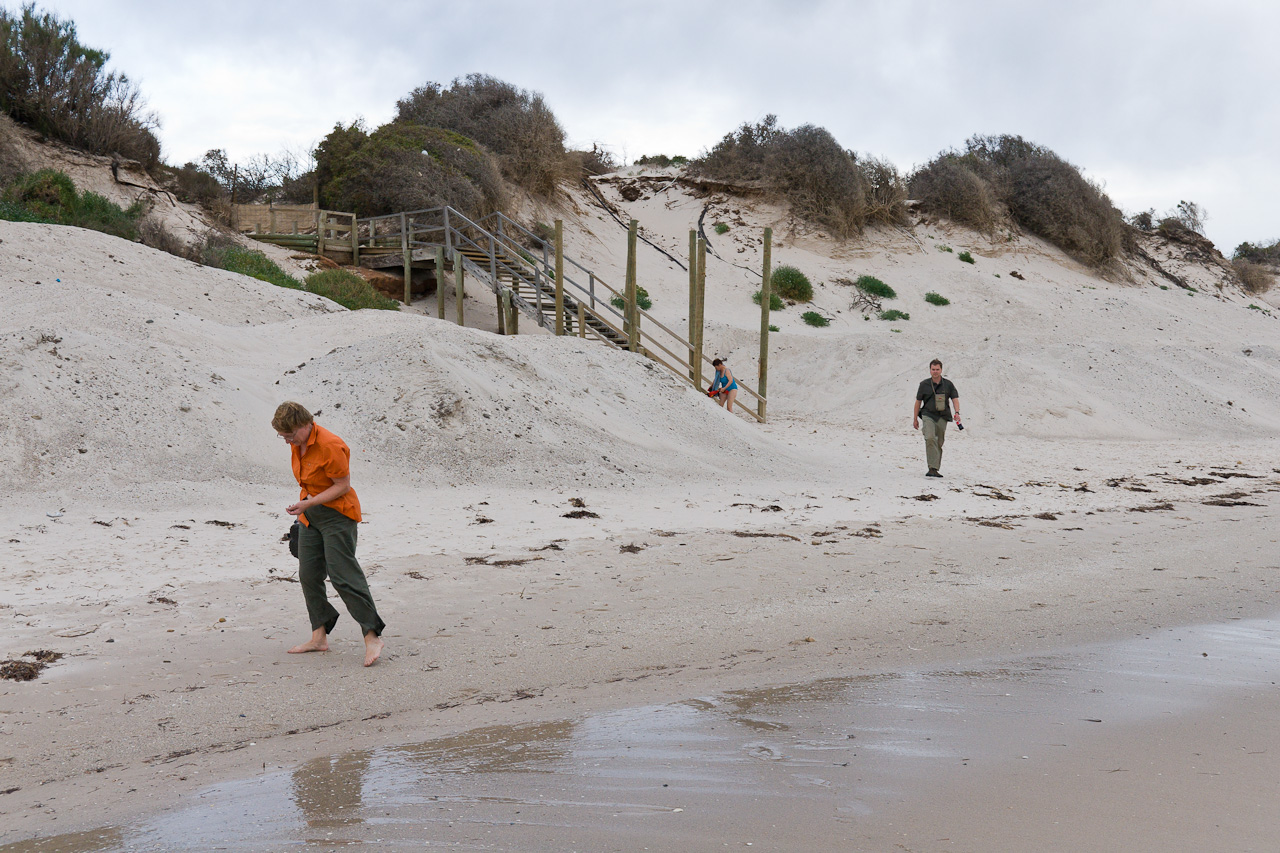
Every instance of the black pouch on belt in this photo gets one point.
(293, 538)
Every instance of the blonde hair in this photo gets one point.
(290, 417)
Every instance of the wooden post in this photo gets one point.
(513, 314)
(322, 224)
(272, 214)
(440, 282)
(559, 277)
(631, 317)
(582, 321)
(766, 291)
(355, 243)
(693, 298)
(699, 310)
(408, 259)
(502, 310)
(458, 293)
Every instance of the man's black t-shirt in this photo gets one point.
(928, 394)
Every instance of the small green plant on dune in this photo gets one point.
(789, 283)
(936, 299)
(775, 301)
(774, 328)
(721, 228)
(348, 290)
(251, 262)
(894, 314)
(966, 257)
(944, 248)
(642, 299)
(813, 318)
(50, 196)
(874, 286)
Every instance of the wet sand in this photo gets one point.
(1163, 742)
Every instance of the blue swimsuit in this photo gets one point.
(722, 380)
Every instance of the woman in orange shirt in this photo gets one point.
(329, 511)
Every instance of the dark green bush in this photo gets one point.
(966, 257)
(775, 301)
(406, 167)
(1041, 192)
(233, 257)
(348, 290)
(876, 287)
(936, 299)
(642, 299)
(1261, 253)
(51, 81)
(813, 318)
(513, 123)
(789, 283)
(662, 161)
(894, 314)
(774, 328)
(721, 228)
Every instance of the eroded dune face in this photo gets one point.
(128, 370)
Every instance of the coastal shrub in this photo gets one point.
(1261, 253)
(233, 257)
(936, 299)
(60, 87)
(642, 299)
(595, 161)
(945, 248)
(894, 314)
(348, 290)
(662, 161)
(515, 124)
(1254, 278)
(50, 196)
(966, 257)
(813, 318)
(1004, 175)
(721, 228)
(774, 328)
(885, 191)
(775, 301)
(874, 286)
(790, 283)
(402, 166)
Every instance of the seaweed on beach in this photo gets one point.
(28, 670)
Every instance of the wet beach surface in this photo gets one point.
(1163, 742)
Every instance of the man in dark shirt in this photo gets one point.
(934, 400)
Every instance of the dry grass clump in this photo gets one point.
(515, 124)
(596, 161)
(1040, 191)
(406, 167)
(60, 87)
(1255, 278)
(807, 167)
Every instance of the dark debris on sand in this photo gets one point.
(28, 670)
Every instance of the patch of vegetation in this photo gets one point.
(1164, 287)
(789, 283)
(1260, 253)
(642, 299)
(348, 290)
(1254, 278)
(808, 168)
(813, 318)
(966, 257)
(774, 328)
(721, 228)
(60, 87)
(230, 256)
(50, 196)
(404, 166)
(515, 124)
(775, 301)
(1000, 178)
(936, 299)
(945, 248)
(596, 161)
(894, 314)
(874, 286)
(662, 161)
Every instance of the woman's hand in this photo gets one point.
(297, 509)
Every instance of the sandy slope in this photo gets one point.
(143, 493)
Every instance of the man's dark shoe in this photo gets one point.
(933, 472)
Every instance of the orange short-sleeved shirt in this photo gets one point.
(328, 458)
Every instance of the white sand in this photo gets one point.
(137, 393)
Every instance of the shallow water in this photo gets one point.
(1164, 742)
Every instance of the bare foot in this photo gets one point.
(319, 642)
(372, 648)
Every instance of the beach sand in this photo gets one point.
(1117, 478)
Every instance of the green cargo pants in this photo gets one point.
(328, 549)
(935, 432)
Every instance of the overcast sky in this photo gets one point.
(1157, 101)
